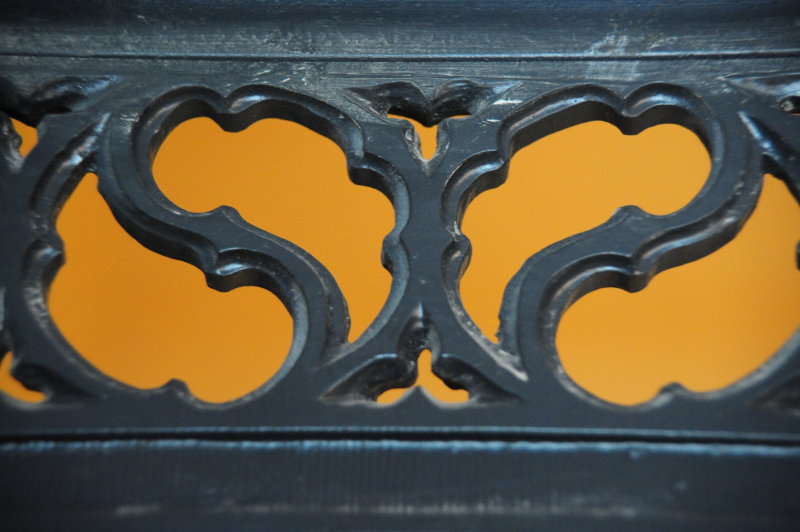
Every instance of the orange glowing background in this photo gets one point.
(144, 319)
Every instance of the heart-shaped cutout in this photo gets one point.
(427, 137)
(27, 136)
(427, 380)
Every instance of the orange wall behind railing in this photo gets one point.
(143, 318)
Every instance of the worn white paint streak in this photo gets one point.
(494, 506)
(132, 510)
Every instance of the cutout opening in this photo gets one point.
(706, 324)
(28, 136)
(566, 183)
(12, 387)
(427, 135)
(293, 182)
(702, 331)
(144, 319)
(428, 380)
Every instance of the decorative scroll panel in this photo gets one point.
(98, 123)
(106, 86)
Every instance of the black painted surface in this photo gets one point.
(370, 29)
(106, 83)
(397, 485)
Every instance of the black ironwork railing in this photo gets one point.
(108, 83)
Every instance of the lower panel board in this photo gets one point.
(397, 485)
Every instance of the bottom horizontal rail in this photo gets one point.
(195, 484)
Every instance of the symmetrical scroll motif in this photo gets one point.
(312, 447)
(426, 251)
(424, 317)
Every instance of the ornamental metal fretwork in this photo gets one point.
(104, 125)
(108, 111)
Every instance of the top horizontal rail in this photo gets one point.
(378, 30)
